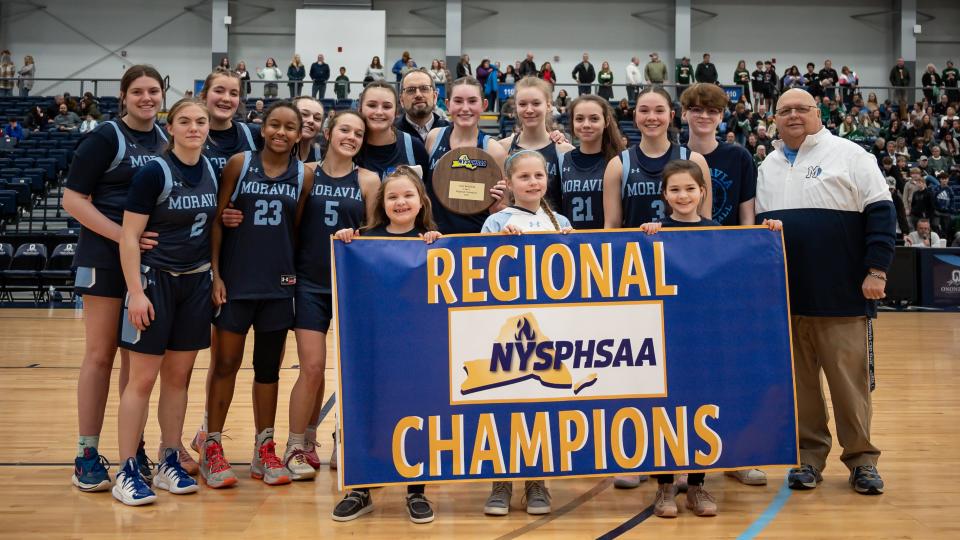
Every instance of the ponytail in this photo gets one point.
(549, 212)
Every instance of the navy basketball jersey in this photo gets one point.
(257, 257)
(642, 183)
(450, 222)
(182, 219)
(110, 193)
(334, 204)
(384, 161)
(582, 189)
(222, 145)
(549, 153)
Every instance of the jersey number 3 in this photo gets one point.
(268, 212)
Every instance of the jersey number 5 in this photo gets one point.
(273, 208)
(331, 213)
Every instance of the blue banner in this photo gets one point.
(486, 357)
(733, 92)
(505, 92)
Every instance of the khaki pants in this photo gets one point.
(838, 347)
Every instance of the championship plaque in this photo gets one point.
(462, 180)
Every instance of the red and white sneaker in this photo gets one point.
(310, 454)
(214, 467)
(267, 466)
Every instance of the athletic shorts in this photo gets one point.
(182, 308)
(107, 282)
(268, 315)
(314, 310)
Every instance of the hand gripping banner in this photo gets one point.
(484, 357)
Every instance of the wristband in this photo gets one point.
(878, 275)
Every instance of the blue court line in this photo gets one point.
(629, 524)
(768, 514)
(327, 406)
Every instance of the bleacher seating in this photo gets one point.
(24, 271)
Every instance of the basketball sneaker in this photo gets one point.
(295, 460)
(267, 466)
(131, 489)
(214, 467)
(90, 471)
(187, 462)
(144, 463)
(198, 440)
(310, 454)
(172, 477)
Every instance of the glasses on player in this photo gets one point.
(701, 111)
(412, 90)
(799, 109)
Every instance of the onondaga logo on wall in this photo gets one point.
(557, 352)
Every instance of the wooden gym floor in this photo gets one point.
(916, 424)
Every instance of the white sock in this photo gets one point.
(296, 440)
(213, 436)
(203, 427)
(310, 435)
(87, 441)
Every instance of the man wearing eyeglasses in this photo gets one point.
(418, 96)
(839, 227)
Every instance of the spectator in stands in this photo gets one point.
(624, 112)
(418, 97)
(26, 75)
(270, 72)
(684, 75)
(89, 124)
(706, 72)
(730, 138)
(633, 79)
(8, 74)
(509, 75)
(89, 106)
(439, 75)
(811, 79)
(244, 75)
(941, 107)
(918, 149)
(900, 78)
(483, 71)
(848, 81)
(562, 101)
(948, 146)
(847, 129)
(751, 144)
(922, 236)
(319, 74)
(527, 67)
(741, 78)
(902, 225)
(828, 79)
(374, 71)
(879, 148)
(889, 169)
(938, 161)
(13, 129)
(949, 117)
(491, 88)
(585, 75)
(256, 115)
(872, 104)
(464, 68)
(760, 155)
(296, 72)
(921, 198)
(605, 80)
(950, 78)
(923, 163)
(341, 86)
(67, 120)
(655, 72)
(792, 78)
(740, 122)
(942, 203)
(547, 73)
(398, 66)
(37, 119)
(761, 94)
(770, 83)
(411, 66)
(225, 63)
(931, 82)
(763, 138)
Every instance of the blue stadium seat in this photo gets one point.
(38, 179)
(23, 162)
(49, 165)
(8, 205)
(10, 172)
(62, 157)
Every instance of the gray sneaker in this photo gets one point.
(266, 466)
(537, 496)
(498, 503)
(629, 482)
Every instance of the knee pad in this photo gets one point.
(268, 356)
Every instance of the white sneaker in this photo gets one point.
(295, 460)
(172, 477)
(749, 477)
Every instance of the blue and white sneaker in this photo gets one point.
(90, 471)
(144, 463)
(130, 488)
(172, 477)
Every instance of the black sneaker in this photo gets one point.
(353, 505)
(419, 508)
(805, 477)
(866, 480)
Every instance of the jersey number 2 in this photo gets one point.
(273, 208)
(198, 223)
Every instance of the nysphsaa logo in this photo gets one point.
(557, 352)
